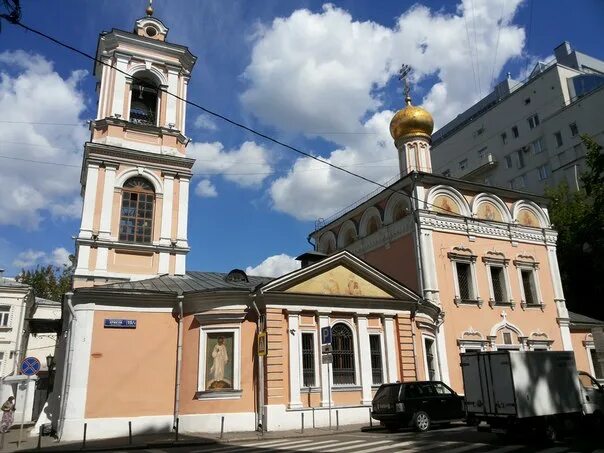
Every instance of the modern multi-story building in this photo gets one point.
(526, 135)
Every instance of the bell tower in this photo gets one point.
(135, 173)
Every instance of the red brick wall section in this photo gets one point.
(405, 340)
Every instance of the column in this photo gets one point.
(365, 359)
(165, 235)
(390, 341)
(443, 363)
(102, 257)
(170, 99)
(107, 202)
(183, 212)
(183, 104)
(294, 360)
(563, 319)
(119, 87)
(324, 322)
(92, 176)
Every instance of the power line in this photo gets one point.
(243, 126)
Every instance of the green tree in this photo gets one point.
(579, 219)
(49, 282)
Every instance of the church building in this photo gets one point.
(426, 269)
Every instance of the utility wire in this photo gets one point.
(247, 128)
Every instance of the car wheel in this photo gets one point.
(422, 421)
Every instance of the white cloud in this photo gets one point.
(274, 266)
(30, 258)
(206, 189)
(203, 121)
(33, 92)
(247, 166)
(325, 73)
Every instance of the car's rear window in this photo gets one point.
(387, 393)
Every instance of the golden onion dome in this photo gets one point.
(411, 121)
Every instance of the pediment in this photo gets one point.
(341, 275)
(339, 281)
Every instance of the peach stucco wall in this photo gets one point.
(189, 404)
(471, 317)
(397, 261)
(132, 371)
(581, 358)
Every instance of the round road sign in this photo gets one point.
(30, 366)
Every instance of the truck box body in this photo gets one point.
(520, 384)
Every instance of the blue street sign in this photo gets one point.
(30, 366)
(120, 323)
(325, 335)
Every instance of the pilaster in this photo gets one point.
(166, 214)
(325, 377)
(293, 323)
(365, 359)
(183, 210)
(92, 176)
(390, 341)
(107, 202)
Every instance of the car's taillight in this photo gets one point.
(400, 407)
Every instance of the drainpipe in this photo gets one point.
(260, 381)
(179, 299)
(420, 258)
(66, 375)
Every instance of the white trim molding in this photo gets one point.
(235, 393)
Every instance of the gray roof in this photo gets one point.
(12, 283)
(190, 282)
(576, 318)
(47, 302)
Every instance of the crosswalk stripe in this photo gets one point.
(275, 441)
(234, 448)
(382, 447)
(553, 450)
(340, 446)
(320, 445)
(463, 448)
(506, 449)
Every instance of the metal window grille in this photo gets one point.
(143, 105)
(375, 346)
(429, 347)
(498, 281)
(343, 355)
(464, 280)
(136, 219)
(598, 374)
(507, 338)
(308, 360)
(528, 283)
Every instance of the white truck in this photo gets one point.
(514, 391)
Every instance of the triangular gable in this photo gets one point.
(343, 275)
(339, 281)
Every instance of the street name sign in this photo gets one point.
(120, 324)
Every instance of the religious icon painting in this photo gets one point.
(219, 361)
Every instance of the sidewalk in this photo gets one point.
(159, 440)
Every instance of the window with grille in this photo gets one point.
(4, 315)
(343, 355)
(529, 286)
(498, 282)
(136, 220)
(430, 358)
(464, 280)
(308, 360)
(598, 372)
(375, 347)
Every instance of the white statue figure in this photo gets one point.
(221, 358)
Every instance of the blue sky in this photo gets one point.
(319, 76)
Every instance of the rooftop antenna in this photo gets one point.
(150, 8)
(403, 76)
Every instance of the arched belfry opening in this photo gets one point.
(144, 99)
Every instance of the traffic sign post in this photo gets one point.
(29, 367)
(327, 358)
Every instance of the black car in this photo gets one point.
(417, 404)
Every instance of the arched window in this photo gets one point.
(143, 100)
(136, 217)
(343, 355)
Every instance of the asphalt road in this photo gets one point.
(455, 439)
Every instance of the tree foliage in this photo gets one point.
(49, 282)
(578, 216)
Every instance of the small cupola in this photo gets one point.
(150, 27)
(310, 258)
(236, 276)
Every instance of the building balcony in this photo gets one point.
(479, 167)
